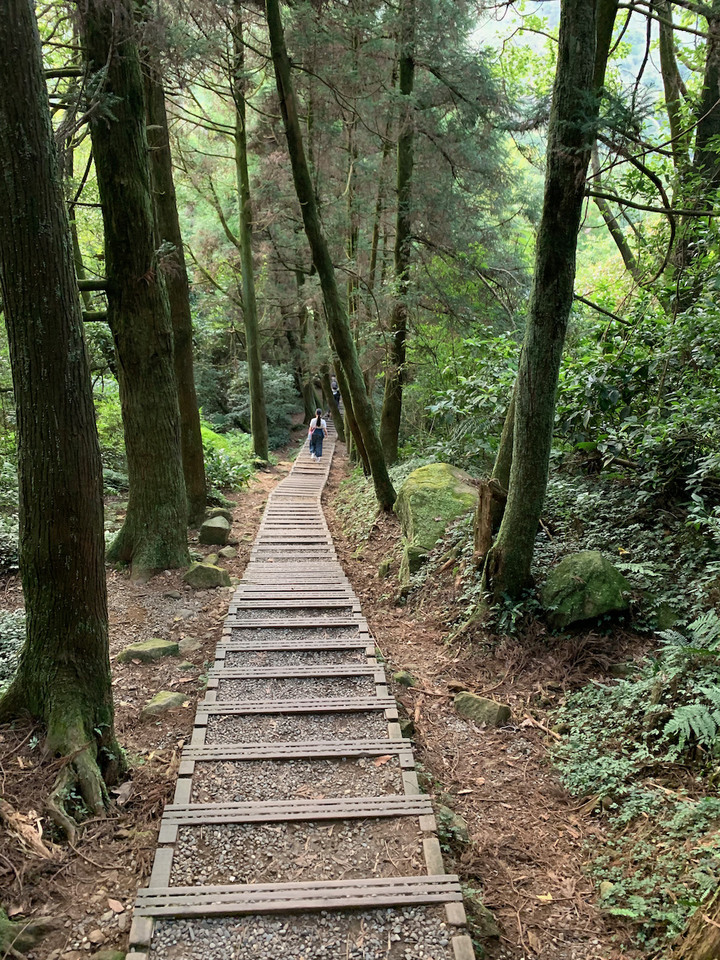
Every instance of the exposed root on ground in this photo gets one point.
(17, 938)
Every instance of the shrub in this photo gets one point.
(108, 416)
(12, 637)
(228, 459)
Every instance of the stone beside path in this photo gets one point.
(298, 829)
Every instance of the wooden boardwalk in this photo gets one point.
(296, 692)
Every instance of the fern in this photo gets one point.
(694, 724)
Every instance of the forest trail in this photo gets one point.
(297, 797)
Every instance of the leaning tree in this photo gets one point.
(64, 675)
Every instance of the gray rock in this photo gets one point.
(211, 558)
(583, 586)
(215, 531)
(228, 553)
(205, 576)
(162, 703)
(219, 512)
(188, 645)
(407, 728)
(404, 678)
(481, 710)
(173, 595)
(148, 650)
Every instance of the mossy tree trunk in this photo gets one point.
(331, 403)
(571, 134)
(154, 534)
(395, 371)
(336, 315)
(64, 673)
(258, 414)
(178, 290)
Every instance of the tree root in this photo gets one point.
(80, 774)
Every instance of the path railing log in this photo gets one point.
(298, 828)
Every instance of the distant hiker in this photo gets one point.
(317, 431)
(335, 390)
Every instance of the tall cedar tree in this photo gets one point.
(395, 372)
(64, 673)
(571, 134)
(154, 534)
(258, 413)
(176, 282)
(336, 314)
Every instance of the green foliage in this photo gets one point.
(630, 742)
(225, 400)
(108, 416)
(8, 474)
(228, 459)
(12, 637)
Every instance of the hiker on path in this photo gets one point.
(317, 432)
(335, 390)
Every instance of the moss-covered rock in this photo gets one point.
(429, 500)
(481, 710)
(162, 702)
(216, 530)
(206, 576)
(148, 650)
(219, 512)
(384, 568)
(228, 553)
(584, 586)
(404, 678)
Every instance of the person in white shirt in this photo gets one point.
(317, 433)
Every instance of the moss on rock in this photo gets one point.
(163, 702)
(148, 650)
(206, 576)
(430, 499)
(584, 586)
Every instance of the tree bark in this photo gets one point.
(64, 673)
(395, 371)
(337, 320)
(258, 414)
(178, 290)
(331, 403)
(154, 535)
(673, 86)
(570, 138)
(350, 421)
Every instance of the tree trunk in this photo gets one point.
(64, 673)
(331, 403)
(258, 415)
(395, 371)
(337, 320)
(701, 939)
(351, 422)
(493, 492)
(570, 139)
(154, 535)
(176, 282)
(307, 389)
(673, 86)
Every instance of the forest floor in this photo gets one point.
(526, 850)
(525, 855)
(88, 889)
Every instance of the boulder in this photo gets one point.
(219, 512)
(205, 576)
(216, 530)
(162, 702)
(188, 645)
(228, 553)
(430, 499)
(481, 710)
(404, 678)
(148, 650)
(583, 586)
(211, 558)
(384, 568)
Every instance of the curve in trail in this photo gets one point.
(298, 830)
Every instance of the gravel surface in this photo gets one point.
(253, 634)
(296, 688)
(300, 850)
(292, 613)
(293, 658)
(247, 780)
(408, 933)
(274, 728)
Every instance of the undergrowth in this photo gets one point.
(645, 750)
(12, 637)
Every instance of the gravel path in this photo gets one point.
(293, 613)
(409, 933)
(253, 634)
(296, 688)
(240, 780)
(274, 728)
(296, 851)
(293, 658)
